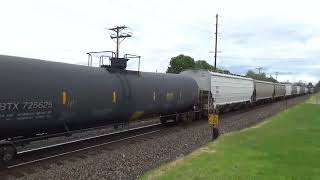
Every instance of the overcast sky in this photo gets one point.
(280, 36)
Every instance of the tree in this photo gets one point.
(180, 63)
(300, 83)
(261, 76)
(251, 74)
(202, 64)
(183, 62)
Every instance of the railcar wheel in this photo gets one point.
(168, 120)
(7, 154)
(163, 121)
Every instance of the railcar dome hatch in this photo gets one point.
(120, 63)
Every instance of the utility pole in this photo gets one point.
(216, 44)
(277, 73)
(118, 36)
(259, 69)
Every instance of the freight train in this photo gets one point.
(41, 99)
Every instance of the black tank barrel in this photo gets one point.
(39, 96)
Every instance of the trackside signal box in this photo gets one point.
(213, 119)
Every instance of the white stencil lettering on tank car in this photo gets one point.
(28, 105)
(15, 106)
(11, 106)
(37, 105)
(3, 106)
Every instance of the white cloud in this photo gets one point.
(250, 32)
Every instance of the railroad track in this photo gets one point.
(29, 161)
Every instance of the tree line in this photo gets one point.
(260, 76)
(182, 62)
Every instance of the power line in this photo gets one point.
(264, 59)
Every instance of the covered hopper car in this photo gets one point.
(294, 91)
(299, 90)
(279, 90)
(226, 90)
(288, 90)
(264, 91)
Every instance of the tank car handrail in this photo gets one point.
(113, 54)
(134, 56)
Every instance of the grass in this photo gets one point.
(287, 146)
(315, 99)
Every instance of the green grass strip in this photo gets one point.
(287, 146)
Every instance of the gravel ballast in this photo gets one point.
(131, 160)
